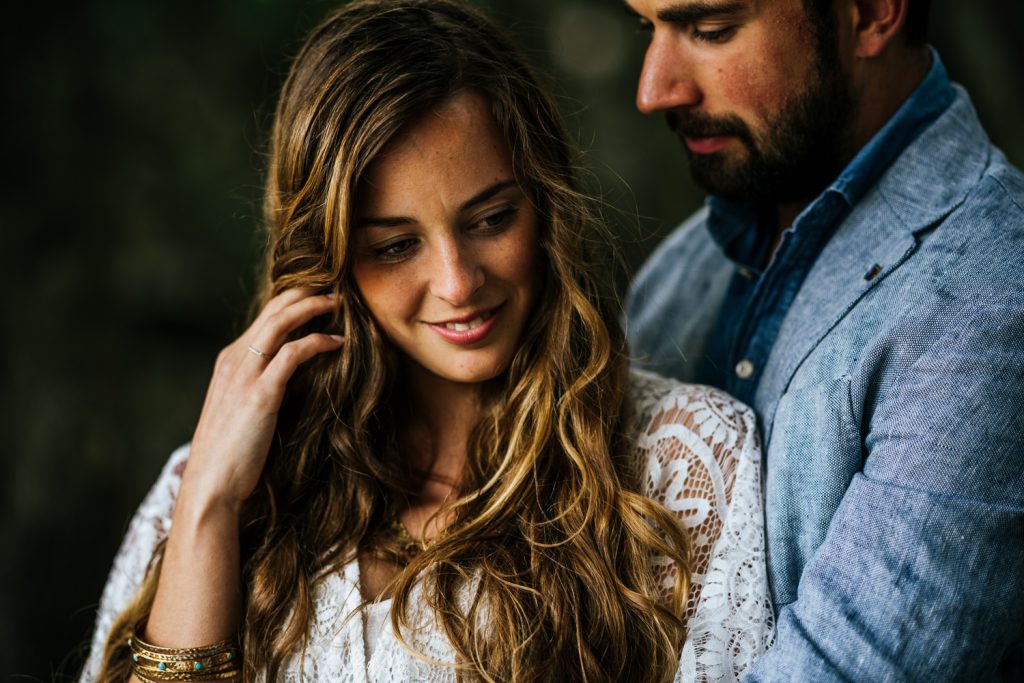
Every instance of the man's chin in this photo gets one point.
(722, 176)
(757, 186)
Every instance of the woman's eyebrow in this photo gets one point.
(487, 193)
(395, 221)
(383, 222)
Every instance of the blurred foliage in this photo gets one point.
(129, 237)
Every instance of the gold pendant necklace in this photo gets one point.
(408, 546)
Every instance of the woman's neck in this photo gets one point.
(442, 415)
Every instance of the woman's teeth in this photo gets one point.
(475, 322)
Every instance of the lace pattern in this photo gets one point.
(699, 451)
(703, 463)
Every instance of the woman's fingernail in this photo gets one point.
(336, 337)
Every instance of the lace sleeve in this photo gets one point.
(149, 526)
(700, 450)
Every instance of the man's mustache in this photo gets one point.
(690, 124)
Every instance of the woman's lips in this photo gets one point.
(708, 145)
(468, 330)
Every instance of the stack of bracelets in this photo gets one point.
(209, 663)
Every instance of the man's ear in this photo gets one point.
(876, 23)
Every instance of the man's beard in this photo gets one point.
(801, 153)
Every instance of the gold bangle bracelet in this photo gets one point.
(214, 662)
(149, 677)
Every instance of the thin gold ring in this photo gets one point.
(259, 353)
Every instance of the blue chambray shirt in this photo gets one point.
(758, 299)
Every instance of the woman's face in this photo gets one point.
(447, 253)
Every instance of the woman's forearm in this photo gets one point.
(198, 599)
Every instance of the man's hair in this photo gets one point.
(915, 28)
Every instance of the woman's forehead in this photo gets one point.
(446, 153)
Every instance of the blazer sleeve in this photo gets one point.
(921, 573)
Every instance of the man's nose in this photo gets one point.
(457, 274)
(667, 80)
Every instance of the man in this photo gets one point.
(855, 278)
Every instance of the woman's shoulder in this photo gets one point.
(159, 502)
(147, 529)
(690, 437)
(170, 474)
(665, 403)
(699, 451)
(151, 522)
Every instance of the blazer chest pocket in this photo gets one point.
(813, 452)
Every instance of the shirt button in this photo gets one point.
(745, 369)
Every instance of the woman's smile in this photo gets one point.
(469, 329)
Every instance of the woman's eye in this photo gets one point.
(716, 36)
(394, 251)
(495, 221)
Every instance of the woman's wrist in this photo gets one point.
(200, 507)
(207, 486)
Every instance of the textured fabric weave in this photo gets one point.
(891, 406)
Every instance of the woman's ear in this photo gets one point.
(876, 23)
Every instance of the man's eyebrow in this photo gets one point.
(395, 221)
(688, 13)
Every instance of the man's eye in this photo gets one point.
(642, 25)
(716, 36)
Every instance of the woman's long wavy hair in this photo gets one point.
(545, 571)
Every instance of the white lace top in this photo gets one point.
(701, 457)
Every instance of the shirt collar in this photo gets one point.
(731, 223)
(931, 97)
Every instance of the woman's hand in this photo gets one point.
(239, 416)
(199, 594)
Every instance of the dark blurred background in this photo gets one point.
(133, 138)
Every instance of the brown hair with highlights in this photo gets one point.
(552, 540)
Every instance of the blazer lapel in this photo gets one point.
(930, 179)
(857, 258)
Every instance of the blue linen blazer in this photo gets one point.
(891, 408)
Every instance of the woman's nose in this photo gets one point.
(457, 274)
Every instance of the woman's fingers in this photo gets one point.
(239, 364)
(239, 416)
(295, 353)
(283, 300)
(271, 332)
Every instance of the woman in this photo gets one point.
(426, 458)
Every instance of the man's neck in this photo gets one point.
(881, 87)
